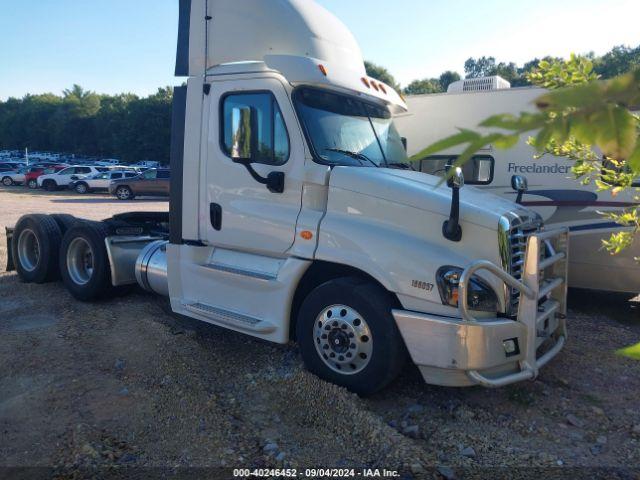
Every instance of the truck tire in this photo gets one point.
(35, 247)
(82, 188)
(50, 185)
(32, 184)
(64, 221)
(124, 193)
(7, 181)
(348, 336)
(84, 264)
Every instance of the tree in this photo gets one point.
(447, 78)
(382, 74)
(83, 122)
(482, 67)
(420, 87)
(619, 60)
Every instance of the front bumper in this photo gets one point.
(496, 352)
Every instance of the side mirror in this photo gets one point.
(456, 180)
(520, 185)
(451, 228)
(244, 147)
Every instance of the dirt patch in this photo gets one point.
(124, 383)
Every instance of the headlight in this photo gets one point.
(480, 296)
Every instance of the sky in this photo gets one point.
(115, 46)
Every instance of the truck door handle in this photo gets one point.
(215, 215)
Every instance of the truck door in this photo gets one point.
(253, 119)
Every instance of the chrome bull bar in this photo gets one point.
(543, 293)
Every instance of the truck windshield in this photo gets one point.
(345, 130)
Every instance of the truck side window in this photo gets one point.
(271, 133)
(477, 171)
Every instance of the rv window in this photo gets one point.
(477, 171)
(271, 138)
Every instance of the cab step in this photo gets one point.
(231, 319)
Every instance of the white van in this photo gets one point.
(553, 192)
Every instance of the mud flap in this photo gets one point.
(10, 266)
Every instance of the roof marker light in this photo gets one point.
(323, 69)
(384, 90)
(366, 82)
(375, 86)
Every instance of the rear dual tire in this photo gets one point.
(47, 247)
(35, 248)
(84, 263)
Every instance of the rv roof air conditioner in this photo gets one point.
(483, 84)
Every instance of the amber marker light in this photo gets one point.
(306, 235)
(323, 69)
(366, 82)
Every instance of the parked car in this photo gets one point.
(153, 182)
(146, 164)
(100, 181)
(10, 166)
(109, 162)
(15, 177)
(54, 181)
(31, 177)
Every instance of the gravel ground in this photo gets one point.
(124, 383)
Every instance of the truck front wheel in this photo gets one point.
(348, 336)
(84, 263)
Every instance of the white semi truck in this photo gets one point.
(293, 215)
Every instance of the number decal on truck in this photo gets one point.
(422, 285)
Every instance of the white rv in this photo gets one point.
(553, 191)
(293, 215)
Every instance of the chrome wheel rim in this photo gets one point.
(123, 193)
(81, 188)
(33, 184)
(80, 261)
(7, 181)
(343, 339)
(28, 250)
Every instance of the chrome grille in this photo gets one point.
(515, 231)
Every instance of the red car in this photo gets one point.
(31, 177)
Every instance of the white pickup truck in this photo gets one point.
(293, 215)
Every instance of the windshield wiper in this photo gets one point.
(401, 165)
(356, 155)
